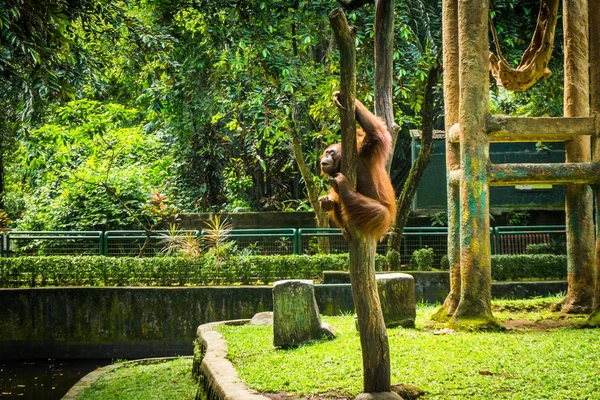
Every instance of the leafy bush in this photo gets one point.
(422, 260)
(244, 268)
(516, 267)
(393, 260)
(162, 271)
(546, 248)
(445, 263)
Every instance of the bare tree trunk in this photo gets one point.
(371, 326)
(384, 64)
(578, 201)
(312, 187)
(418, 168)
(475, 308)
(451, 105)
(595, 86)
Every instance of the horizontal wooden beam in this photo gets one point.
(502, 128)
(558, 174)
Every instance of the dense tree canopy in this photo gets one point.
(107, 103)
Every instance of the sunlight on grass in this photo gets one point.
(170, 380)
(559, 364)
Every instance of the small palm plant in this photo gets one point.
(217, 238)
(176, 242)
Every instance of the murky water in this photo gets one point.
(42, 379)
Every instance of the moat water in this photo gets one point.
(43, 379)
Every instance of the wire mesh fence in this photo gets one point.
(504, 240)
(142, 243)
(264, 241)
(35, 243)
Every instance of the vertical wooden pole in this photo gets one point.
(595, 88)
(474, 310)
(451, 107)
(371, 326)
(578, 201)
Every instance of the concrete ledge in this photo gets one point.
(218, 378)
(91, 378)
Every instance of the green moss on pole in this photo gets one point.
(474, 310)
(595, 89)
(451, 103)
(578, 199)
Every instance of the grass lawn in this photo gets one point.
(542, 355)
(165, 381)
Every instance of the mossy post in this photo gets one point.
(474, 310)
(451, 106)
(578, 200)
(371, 326)
(595, 88)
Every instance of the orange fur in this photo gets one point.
(371, 208)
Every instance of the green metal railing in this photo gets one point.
(52, 243)
(141, 243)
(264, 241)
(503, 239)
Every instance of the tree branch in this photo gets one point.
(418, 168)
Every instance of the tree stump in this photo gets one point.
(397, 297)
(296, 317)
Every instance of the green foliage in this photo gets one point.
(422, 260)
(439, 219)
(556, 248)
(515, 22)
(519, 218)
(93, 167)
(238, 267)
(445, 263)
(167, 380)
(393, 260)
(547, 266)
(162, 271)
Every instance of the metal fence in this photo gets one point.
(515, 239)
(51, 243)
(264, 241)
(503, 239)
(142, 243)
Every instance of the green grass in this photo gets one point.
(525, 363)
(164, 381)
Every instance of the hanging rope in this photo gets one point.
(534, 63)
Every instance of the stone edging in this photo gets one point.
(91, 378)
(220, 379)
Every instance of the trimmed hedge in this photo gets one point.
(177, 271)
(161, 271)
(517, 267)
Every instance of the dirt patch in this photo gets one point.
(542, 325)
(287, 396)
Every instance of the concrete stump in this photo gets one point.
(296, 314)
(397, 296)
(262, 318)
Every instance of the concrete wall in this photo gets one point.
(96, 322)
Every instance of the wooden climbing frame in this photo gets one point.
(470, 128)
